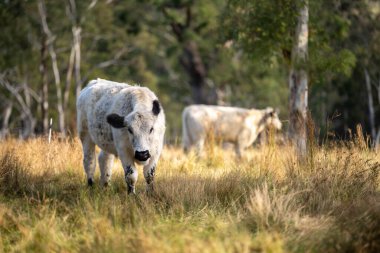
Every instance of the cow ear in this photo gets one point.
(116, 120)
(156, 107)
(270, 111)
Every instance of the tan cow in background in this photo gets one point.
(230, 124)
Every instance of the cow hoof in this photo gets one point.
(131, 190)
(90, 182)
(106, 184)
(149, 189)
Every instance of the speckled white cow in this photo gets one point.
(123, 120)
(230, 124)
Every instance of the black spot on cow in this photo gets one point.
(156, 107)
(128, 171)
(150, 177)
(115, 120)
(152, 171)
(90, 182)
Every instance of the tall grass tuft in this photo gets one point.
(13, 175)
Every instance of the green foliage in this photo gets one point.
(264, 28)
(342, 37)
(244, 45)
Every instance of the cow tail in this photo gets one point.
(186, 141)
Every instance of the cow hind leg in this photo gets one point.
(238, 150)
(105, 164)
(89, 158)
(199, 146)
(186, 149)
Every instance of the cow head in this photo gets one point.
(271, 118)
(139, 126)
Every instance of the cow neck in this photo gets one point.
(262, 122)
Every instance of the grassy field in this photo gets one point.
(267, 202)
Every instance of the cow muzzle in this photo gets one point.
(142, 156)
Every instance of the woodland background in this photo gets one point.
(233, 52)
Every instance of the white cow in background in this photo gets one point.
(230, 124)
(124, 121)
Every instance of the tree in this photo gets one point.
(190, 22)
(49, 41)
(298, 83)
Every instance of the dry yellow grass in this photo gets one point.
(267, 202)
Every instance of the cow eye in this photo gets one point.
(130, 130)
(151, 130)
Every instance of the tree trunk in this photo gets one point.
(69, 76)
(29, 121)
(75, 55)
(371, 109)
(5, 124)
(77, 40)
(53, 56)
(191, 59)
(57, 81)
(298, 84)
(378, 91)
(28, 124)
(196, 71)
(45, 86)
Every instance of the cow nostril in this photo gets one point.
(142, 155)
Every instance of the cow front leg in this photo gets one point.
(149, 173)
(130, 171)
(89, 158)
(105, 164)
(130, 178)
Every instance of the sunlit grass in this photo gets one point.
(266, 202)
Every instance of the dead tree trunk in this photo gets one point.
(69, 75)
(73, 67)
(76, 30)
(6, 116)
(45, 86)
(298, 84)
(377, 140)
(53, 56)
(371, 109)
(77, 40)
(75, 54)
(28, 121)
